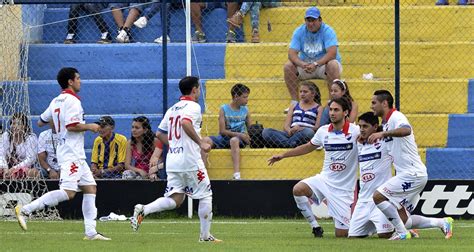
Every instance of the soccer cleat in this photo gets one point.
(211, 238)
(141, 22)
(255, 36)
(448, 227)
(199, 37)
(237, 19)
(160, 40)
(138, 216)
(396, 236)
(97, 237)
(414, 233)
(231, 37)
(20, 217)
(318, 232)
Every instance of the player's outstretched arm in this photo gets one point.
(189, 130)
(80, 127)
(298, 151)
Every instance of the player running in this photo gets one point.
(337, 180)
(400, 194)
(68, 116)
(187, 175)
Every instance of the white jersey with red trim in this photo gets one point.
(375, 166)
(183, 153)
(66, 110)
(340, 157)
(403, 149)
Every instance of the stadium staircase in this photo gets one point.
(436, 93)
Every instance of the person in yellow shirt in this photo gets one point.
(108, 153)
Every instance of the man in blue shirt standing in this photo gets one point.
(313, 53)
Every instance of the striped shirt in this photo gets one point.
(304, 118)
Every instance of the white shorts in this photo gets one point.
(339, 202)
(75, 174)
(367, 219)
(319, 73)
(403, 190)
(195, 184)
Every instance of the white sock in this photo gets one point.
(302, 202)
(205, 216)
(89, 211)
(390, 211)
(49, 199)
(418, 221)
(159, 205)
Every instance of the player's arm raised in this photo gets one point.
(298, 151)
(189, 130)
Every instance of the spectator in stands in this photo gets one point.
(108, 152)
(313, 53)
(124, 34)
(197, 8)
(157, 170)
(19, 149)
(301, 122)
(254, 7)
(234, 120)
(460, 2)
(47, 148)
(148, 13)
(339, 88)
(140, 148)
(89, 9)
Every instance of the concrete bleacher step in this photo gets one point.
(214, 24)
(459, 134)
(254, 164)
(119, 61)
(430, 130)
(417, 59)
(450, 163)
(417, 95)
(373, 23)
(353, 2)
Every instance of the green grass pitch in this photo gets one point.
(181, 234)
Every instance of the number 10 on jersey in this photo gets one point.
(175, 127)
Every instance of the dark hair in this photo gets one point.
(344, 87)
(66, 74)
(344, 102)
(187, 84)
(148, 141)
(370, 118)
(239, 89)
(313, 88)
(24, 121)
(384, 95)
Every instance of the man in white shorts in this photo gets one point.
(375, 166)
(68, 116)
(400, 194)
(337, 180)
(180, 129)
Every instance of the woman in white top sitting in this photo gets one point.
(18, 150)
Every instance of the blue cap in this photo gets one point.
(312, 12)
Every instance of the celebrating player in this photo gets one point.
(68, 116)
(180, 129)
(337, 179)
(401, 193)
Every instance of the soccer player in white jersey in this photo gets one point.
(397, 197)
(375, 166)
(187, 175)
(337, 180)
(68, 116)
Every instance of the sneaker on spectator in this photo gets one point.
(123, 36)
(70, 38)
(237, 19)
(199, 37)
(160, 40)
(236, 176)
(231, 37)
(105, 39)
(141, 22)
(255, 36)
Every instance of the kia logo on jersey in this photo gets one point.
(366, 177)
(337, 167)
